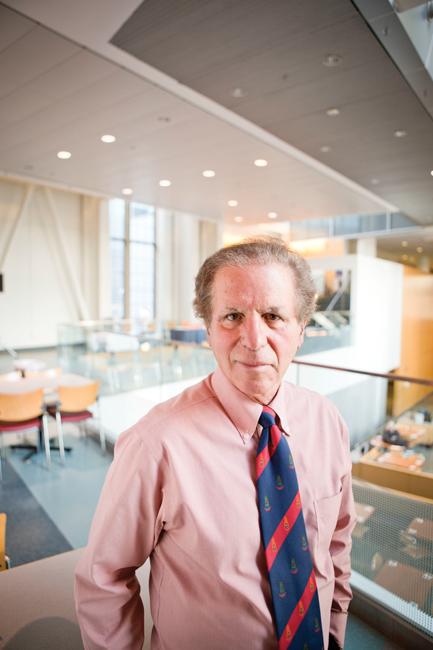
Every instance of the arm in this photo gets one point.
(124, 532)
(340, 548)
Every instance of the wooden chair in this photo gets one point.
(4, 560)
(73, 405)
(22, 411)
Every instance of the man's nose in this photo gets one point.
(253, 334)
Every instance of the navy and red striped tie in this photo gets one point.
(291, 574)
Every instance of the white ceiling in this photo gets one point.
(62, 85)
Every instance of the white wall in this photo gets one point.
(51, 269)
(376, 307)
(183, 242)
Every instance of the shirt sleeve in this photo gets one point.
(340, 548)
(125, 529)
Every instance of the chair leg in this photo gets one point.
(101, 429)
(60, 437)
(46, 440)
(1, 457)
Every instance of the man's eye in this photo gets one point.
(272, 317)
(232, 317)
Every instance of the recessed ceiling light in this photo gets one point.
(404, 244)
(374, 181)
(419, 249)
(400, 133)
(232, 203)
(404, 257)
(325, 149)
(238, 93)
(332, 60)
(272, 215)
(127, 191)
(333, 112)
(208, 173)
(261, 162)
(108, 138)
(164, 182)
(238, 219)
(431, 173)
(64, 155)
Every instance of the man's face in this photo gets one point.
(254, 332)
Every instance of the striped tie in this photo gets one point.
(291, 575)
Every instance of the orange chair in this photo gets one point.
(73, 404)
(22, 411)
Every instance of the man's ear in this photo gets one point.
(301, 334)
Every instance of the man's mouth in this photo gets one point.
(253, 364)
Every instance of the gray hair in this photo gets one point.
(256, 250)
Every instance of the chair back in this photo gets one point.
(78, 398)
(44, 374)
(16, 407)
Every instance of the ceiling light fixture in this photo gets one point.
(374, 181)
(400, 133)
(419, 249)
(238, 219)
(431, 173)
(238, 93)
(404, 244)
(108, 138)
(333, 112)
(232, 203)
(325, 148)
(208, 173)
(64, 155)
(127, 191)
(332, 60)
(272, 215)
(404, 257)
(164, 182)
(261, 162)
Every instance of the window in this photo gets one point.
(132, 235)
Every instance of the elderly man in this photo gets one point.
(238, 489)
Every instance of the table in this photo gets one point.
(37, 609)
(49, 382)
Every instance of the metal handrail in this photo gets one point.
(368, 373)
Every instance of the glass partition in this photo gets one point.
(391, 433)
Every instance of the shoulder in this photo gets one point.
(171, 416)
(314, 406)
(308, 397)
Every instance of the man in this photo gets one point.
(238, 489)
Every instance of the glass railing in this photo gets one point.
(124, 355)
(390, 423)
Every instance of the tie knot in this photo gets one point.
(267, 418)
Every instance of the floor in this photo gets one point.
(50, 512)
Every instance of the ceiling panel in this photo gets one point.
(33, 54)
(164, 130)
(275, 56)
(12, 27)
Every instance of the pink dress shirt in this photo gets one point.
(181, 490)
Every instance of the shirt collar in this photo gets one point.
(242, 411)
